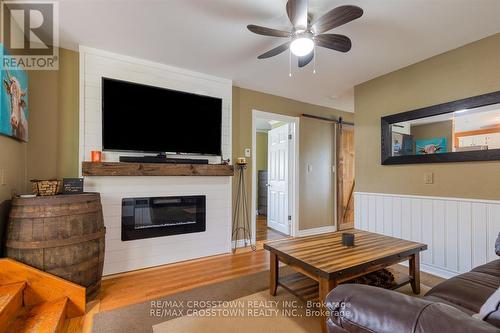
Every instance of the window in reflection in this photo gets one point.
(463, 130)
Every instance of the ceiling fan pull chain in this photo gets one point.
(314, 59)
(289, 63)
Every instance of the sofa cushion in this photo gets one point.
(469, 290)
(490, 311)
(441, 318)
(441, 300)
(361, 308)
(491, 268)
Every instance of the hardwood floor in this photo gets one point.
(143, 285)
(140, 286)
(264, 233)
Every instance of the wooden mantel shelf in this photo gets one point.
(155, 169)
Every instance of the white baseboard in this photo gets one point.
(241, 243)
(315, 231)
(436, 271)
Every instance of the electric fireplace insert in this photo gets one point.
(162, 216)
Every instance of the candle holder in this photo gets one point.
(96, 156)
(347, 239)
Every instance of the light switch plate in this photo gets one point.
(429, 178)
(248, 152)
(309, 168)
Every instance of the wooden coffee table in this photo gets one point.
(328, 263)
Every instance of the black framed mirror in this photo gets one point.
(459, 131)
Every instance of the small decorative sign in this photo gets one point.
(72, 185)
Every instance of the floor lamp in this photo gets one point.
(241, 219)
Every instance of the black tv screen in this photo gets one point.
(142, 118)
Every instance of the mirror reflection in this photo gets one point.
(459, 131)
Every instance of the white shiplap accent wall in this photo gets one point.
(96, 64)
(131, 255)
(460, 233)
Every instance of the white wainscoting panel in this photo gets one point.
(460, 233)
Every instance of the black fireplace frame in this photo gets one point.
(129, 232)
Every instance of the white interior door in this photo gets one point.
(277, 188)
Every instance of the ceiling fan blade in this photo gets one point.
(305, 60)
(333, 41)
(274, 52)
(336, 17)
(297, 13)
(267, 31)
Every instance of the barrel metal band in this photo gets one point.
(55, 243)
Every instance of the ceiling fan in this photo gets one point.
(306, 35)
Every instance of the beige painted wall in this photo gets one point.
(43, 123)
(261, 158)
(468, 71)
(69, 119)
(244, 101)
(13, 161)
(54, 120)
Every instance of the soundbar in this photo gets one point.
(161, 159)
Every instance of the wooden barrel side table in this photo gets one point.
(62, 235)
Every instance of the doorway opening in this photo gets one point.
(340, 195)
(274, 176)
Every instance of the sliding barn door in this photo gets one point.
(345, 176)
(277, 195)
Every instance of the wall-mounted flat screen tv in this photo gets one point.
(142, 118)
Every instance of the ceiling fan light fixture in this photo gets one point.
(302, 46)
(303, 38)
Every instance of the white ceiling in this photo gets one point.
(210, 36)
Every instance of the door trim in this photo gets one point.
(294, 175)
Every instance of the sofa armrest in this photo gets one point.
(360, 308)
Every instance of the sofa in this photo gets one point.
(447, 308)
